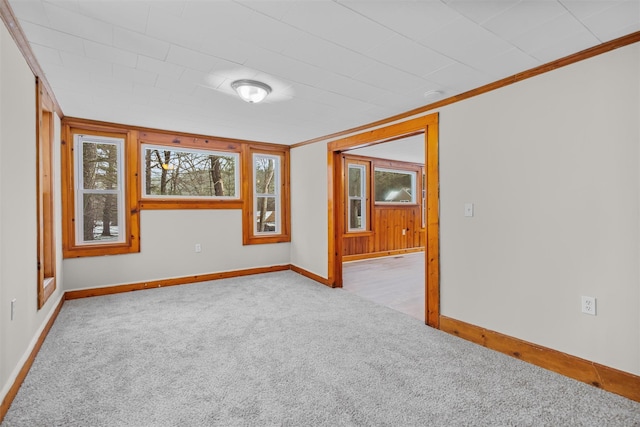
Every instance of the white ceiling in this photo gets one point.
(333, 65)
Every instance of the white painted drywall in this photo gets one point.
(167, 250)
(18, 270)
(309, 219)
(552, 166)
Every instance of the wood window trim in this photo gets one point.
(46, 240)
(131, 230)
(360, 161)
(206, 144)
(249, 237)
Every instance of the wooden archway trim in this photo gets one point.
(429, 125)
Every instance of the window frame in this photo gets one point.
(80, 191)
(365, 166)
(144, 196)
(130, 210)
(283, 228)
(414, 184)
(45, 182)
(182, 142)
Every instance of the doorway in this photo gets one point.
(428, 127)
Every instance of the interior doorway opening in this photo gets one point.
(427, 126)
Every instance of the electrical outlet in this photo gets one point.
(13, 307)
(198, 248)
(589, 305)
(468, 209)
(404, 231)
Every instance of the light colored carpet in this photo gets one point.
(280, 350)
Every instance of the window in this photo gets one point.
(45, 184)
(266, 211)
(99, 190)
(357, 207)
(266, 190)
(189, 173)
(394, 186)
(99, 197)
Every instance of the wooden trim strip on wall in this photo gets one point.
(13, 391)
(310, 275)
(541, 69)
(604, 377)
(17, 33)
(150, 284)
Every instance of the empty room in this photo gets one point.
(320, 213)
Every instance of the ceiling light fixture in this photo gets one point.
(251, 91)
(433, 94)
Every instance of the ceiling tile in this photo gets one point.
(392, 79)
(133, 76)
(129, 14)
(78, 25)
(175, 85)
(582, 9)
(332, 21)
(566, 46)
(617, 21)
(459, 77)
(162, 68)
(53, 38)
(413, 19)
(506, 64)
(274, 9)
(547, 34)
(30, 12)
(46, 55)
(191, 59)
(466, 42)
(523, 17)
(408, 55)
(481, 10)
(165, 26)
(86, 65)
(139, 43)
(325, 54)
(110, 54)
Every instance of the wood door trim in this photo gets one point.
(335, 189)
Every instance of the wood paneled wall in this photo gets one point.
(392, 228)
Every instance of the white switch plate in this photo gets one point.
(13, 307)
(468, 209)
(589, 305)
(198, 247)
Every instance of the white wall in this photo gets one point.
(167, 243)
(552, 165)
(309, 222)
(18, 274)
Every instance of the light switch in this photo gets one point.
(468, 209)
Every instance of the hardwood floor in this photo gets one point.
(396, 282)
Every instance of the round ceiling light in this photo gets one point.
(251, 91)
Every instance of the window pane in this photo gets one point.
(189, 173)
(266, 214)
(394, 186)
(99, 166)
(355, 214)
(265, 170)
(355, 181)
(100, 219)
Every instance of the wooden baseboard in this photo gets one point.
(604, 377)
(93, 292)
(358, 257)
(310, 275)
(13, 391)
